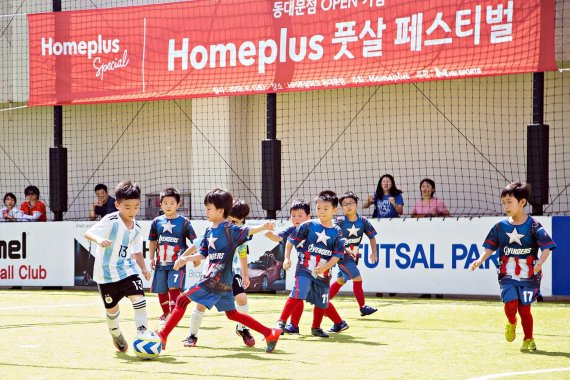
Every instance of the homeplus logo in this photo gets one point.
(92, 49)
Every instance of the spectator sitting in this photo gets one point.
(9, 213)
(429, 206)
(387, 200)
(104, 203)
(34, 210)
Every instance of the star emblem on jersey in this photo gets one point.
(515, 237)
(167, 227)
(211, 242)
(322, 237)
(353, 231)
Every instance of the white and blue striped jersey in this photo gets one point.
(115, 263)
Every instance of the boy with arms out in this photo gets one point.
(300, 212)
(240, 210)
(353, 228)
(321, 245)
(167, 240)
(119, 240)
(518, 239)
(219, 244)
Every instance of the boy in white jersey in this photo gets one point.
(119, 241)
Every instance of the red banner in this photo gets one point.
(208, 48)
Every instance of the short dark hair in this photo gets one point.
(431, 182)
(126, 190)
(32, 189)
(240, 209)
(518, 190)
(328, 196)
(101, 187)
(301, 204)
(170, 192)
(348, 194)
(9, 195)
(220, 199)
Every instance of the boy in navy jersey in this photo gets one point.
(320, 245)
(167, 240)
(353, 228)
(214, 288)
(240, 211)
(119, 247)
(300, 211)
(518, 240)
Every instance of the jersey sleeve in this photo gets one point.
(153, 234)
(242, 251)
(190, 233)
(137, 243)
(492, 239)
(543, 239)
(239, 234)
(203, 250)
(101, 228)
(299, 234)
(369, 230)
(286, 233)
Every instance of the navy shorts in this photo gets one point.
(113, 292)
(312, 290)
(348, 269)
(223, 301)
(166, 277)
(523, 291)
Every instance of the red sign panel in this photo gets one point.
(208, 48)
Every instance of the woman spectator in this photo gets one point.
(429, 206)
(387, 200)
(33, 208)
(9, 213)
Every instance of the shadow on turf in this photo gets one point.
(549, 353)
(161, 358)
(342, 337)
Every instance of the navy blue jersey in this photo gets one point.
(215, 246)
(286, 233)
(518, 246)
(354, 231)
(316, 243)
(170, 236)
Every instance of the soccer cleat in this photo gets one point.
(367, 310)
(338, 327)
(290, 329)
(510, 332)
(528, 345)
(120, 343)
(271, 339)
(281, 326)
(319, 332)
(190, 341)
(246, 336)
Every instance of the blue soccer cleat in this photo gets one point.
(367, 310)
(338, 327)
(290, 329)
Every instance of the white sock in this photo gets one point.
(113, 323)
(244, 309)
(141, 319)
(196, 322)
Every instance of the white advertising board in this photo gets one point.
(433, 256)
(36, 254)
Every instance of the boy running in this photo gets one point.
(518, 240)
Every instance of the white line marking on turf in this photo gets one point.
(29, 345)
(507, 374)
(47, 306)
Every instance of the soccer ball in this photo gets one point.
(147, 345)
